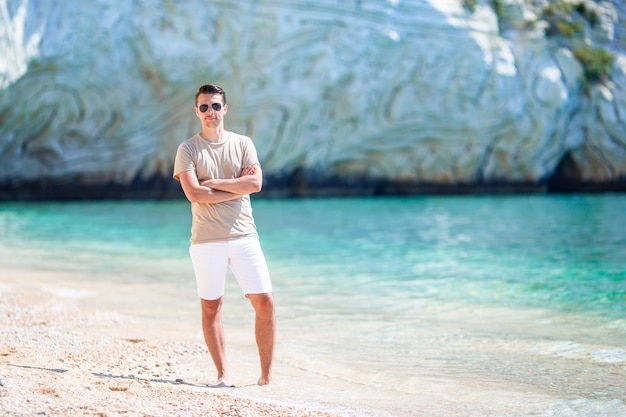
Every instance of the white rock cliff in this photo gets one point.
(408, 92)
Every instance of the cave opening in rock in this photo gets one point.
(566, 177)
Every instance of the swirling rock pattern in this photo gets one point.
(333, 92)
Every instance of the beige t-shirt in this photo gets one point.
(218, 160)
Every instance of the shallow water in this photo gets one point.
(509, 305)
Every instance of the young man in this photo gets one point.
(218, 170)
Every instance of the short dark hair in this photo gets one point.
(211, 89)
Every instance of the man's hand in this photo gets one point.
(249, 170)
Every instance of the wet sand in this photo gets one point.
(63, 354)
(77, 345)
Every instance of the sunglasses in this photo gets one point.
(215, 106)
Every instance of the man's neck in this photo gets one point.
(213, 135)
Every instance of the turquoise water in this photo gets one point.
(472, 290)
(563, 252)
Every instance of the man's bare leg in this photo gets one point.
(265, 330)
(214, 336)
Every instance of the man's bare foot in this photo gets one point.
(223, 383)
(265, 380)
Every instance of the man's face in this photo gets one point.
(214, 110)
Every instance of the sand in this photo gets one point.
(79, 345)
(63, 354)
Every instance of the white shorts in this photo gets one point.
(245, 259)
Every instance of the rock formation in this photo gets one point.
(343, 96)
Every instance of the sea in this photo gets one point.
(508, 305)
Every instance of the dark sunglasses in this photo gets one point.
(214, 106)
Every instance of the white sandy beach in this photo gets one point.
(75, 346)
(64, 352)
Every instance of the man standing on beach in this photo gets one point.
(218, 170)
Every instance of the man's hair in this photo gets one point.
(211, 89)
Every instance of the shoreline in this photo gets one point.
(64, 354)
(302, 185)
(75, 344)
